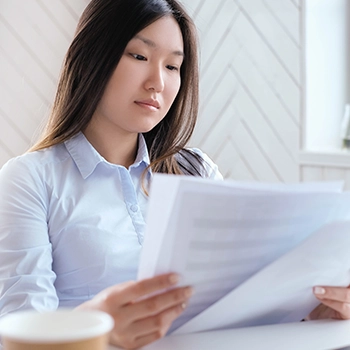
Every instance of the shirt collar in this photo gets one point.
(142, 153)
(87, 158)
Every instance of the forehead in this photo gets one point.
(164, 33)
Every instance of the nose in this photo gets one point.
(155, 80)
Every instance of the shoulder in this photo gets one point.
(195, 158)
(211, 168)
(31, 165)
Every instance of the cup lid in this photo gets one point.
(55, 326)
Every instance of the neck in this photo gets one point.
(115, 148)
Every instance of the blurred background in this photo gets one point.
(275, 80)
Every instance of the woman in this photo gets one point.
(72, 209)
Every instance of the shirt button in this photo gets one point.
(134, 208)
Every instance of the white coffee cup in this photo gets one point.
(62, 329)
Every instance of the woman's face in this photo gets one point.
(145, 82)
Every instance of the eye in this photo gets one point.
(139, 57)
(173, 68)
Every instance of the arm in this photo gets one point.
(27, 279)
(26, 276)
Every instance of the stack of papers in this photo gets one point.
(252, 252)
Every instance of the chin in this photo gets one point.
(147, 128)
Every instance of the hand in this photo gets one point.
(335, 303)
(141, 316)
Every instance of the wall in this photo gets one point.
(251, 86)
(252, 99)
(251, 109)
(34, 35)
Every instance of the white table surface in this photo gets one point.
(310, 335)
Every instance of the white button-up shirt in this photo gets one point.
(71, 224)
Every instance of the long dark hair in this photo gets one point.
(103, 32)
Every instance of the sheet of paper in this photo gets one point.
(282, 292)
(319, 186)
(217, 235)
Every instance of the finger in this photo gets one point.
(341, 294)
(341, 309)
(148, 330)
(139, 289)
(142, 341)
(156, 304)
(155, 327)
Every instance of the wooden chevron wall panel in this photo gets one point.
(34, 35)
(250, 106)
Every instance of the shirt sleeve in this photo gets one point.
(26, 275)
(212, 170)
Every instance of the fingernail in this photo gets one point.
(319, 290)
(189, 292)
(183, 305)
(174, 278)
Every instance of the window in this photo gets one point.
(326, 72)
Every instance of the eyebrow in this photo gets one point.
(152, 44)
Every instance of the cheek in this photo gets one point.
(122, 77)
(110, 97)
(174, 89)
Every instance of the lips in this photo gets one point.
(148, 103)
